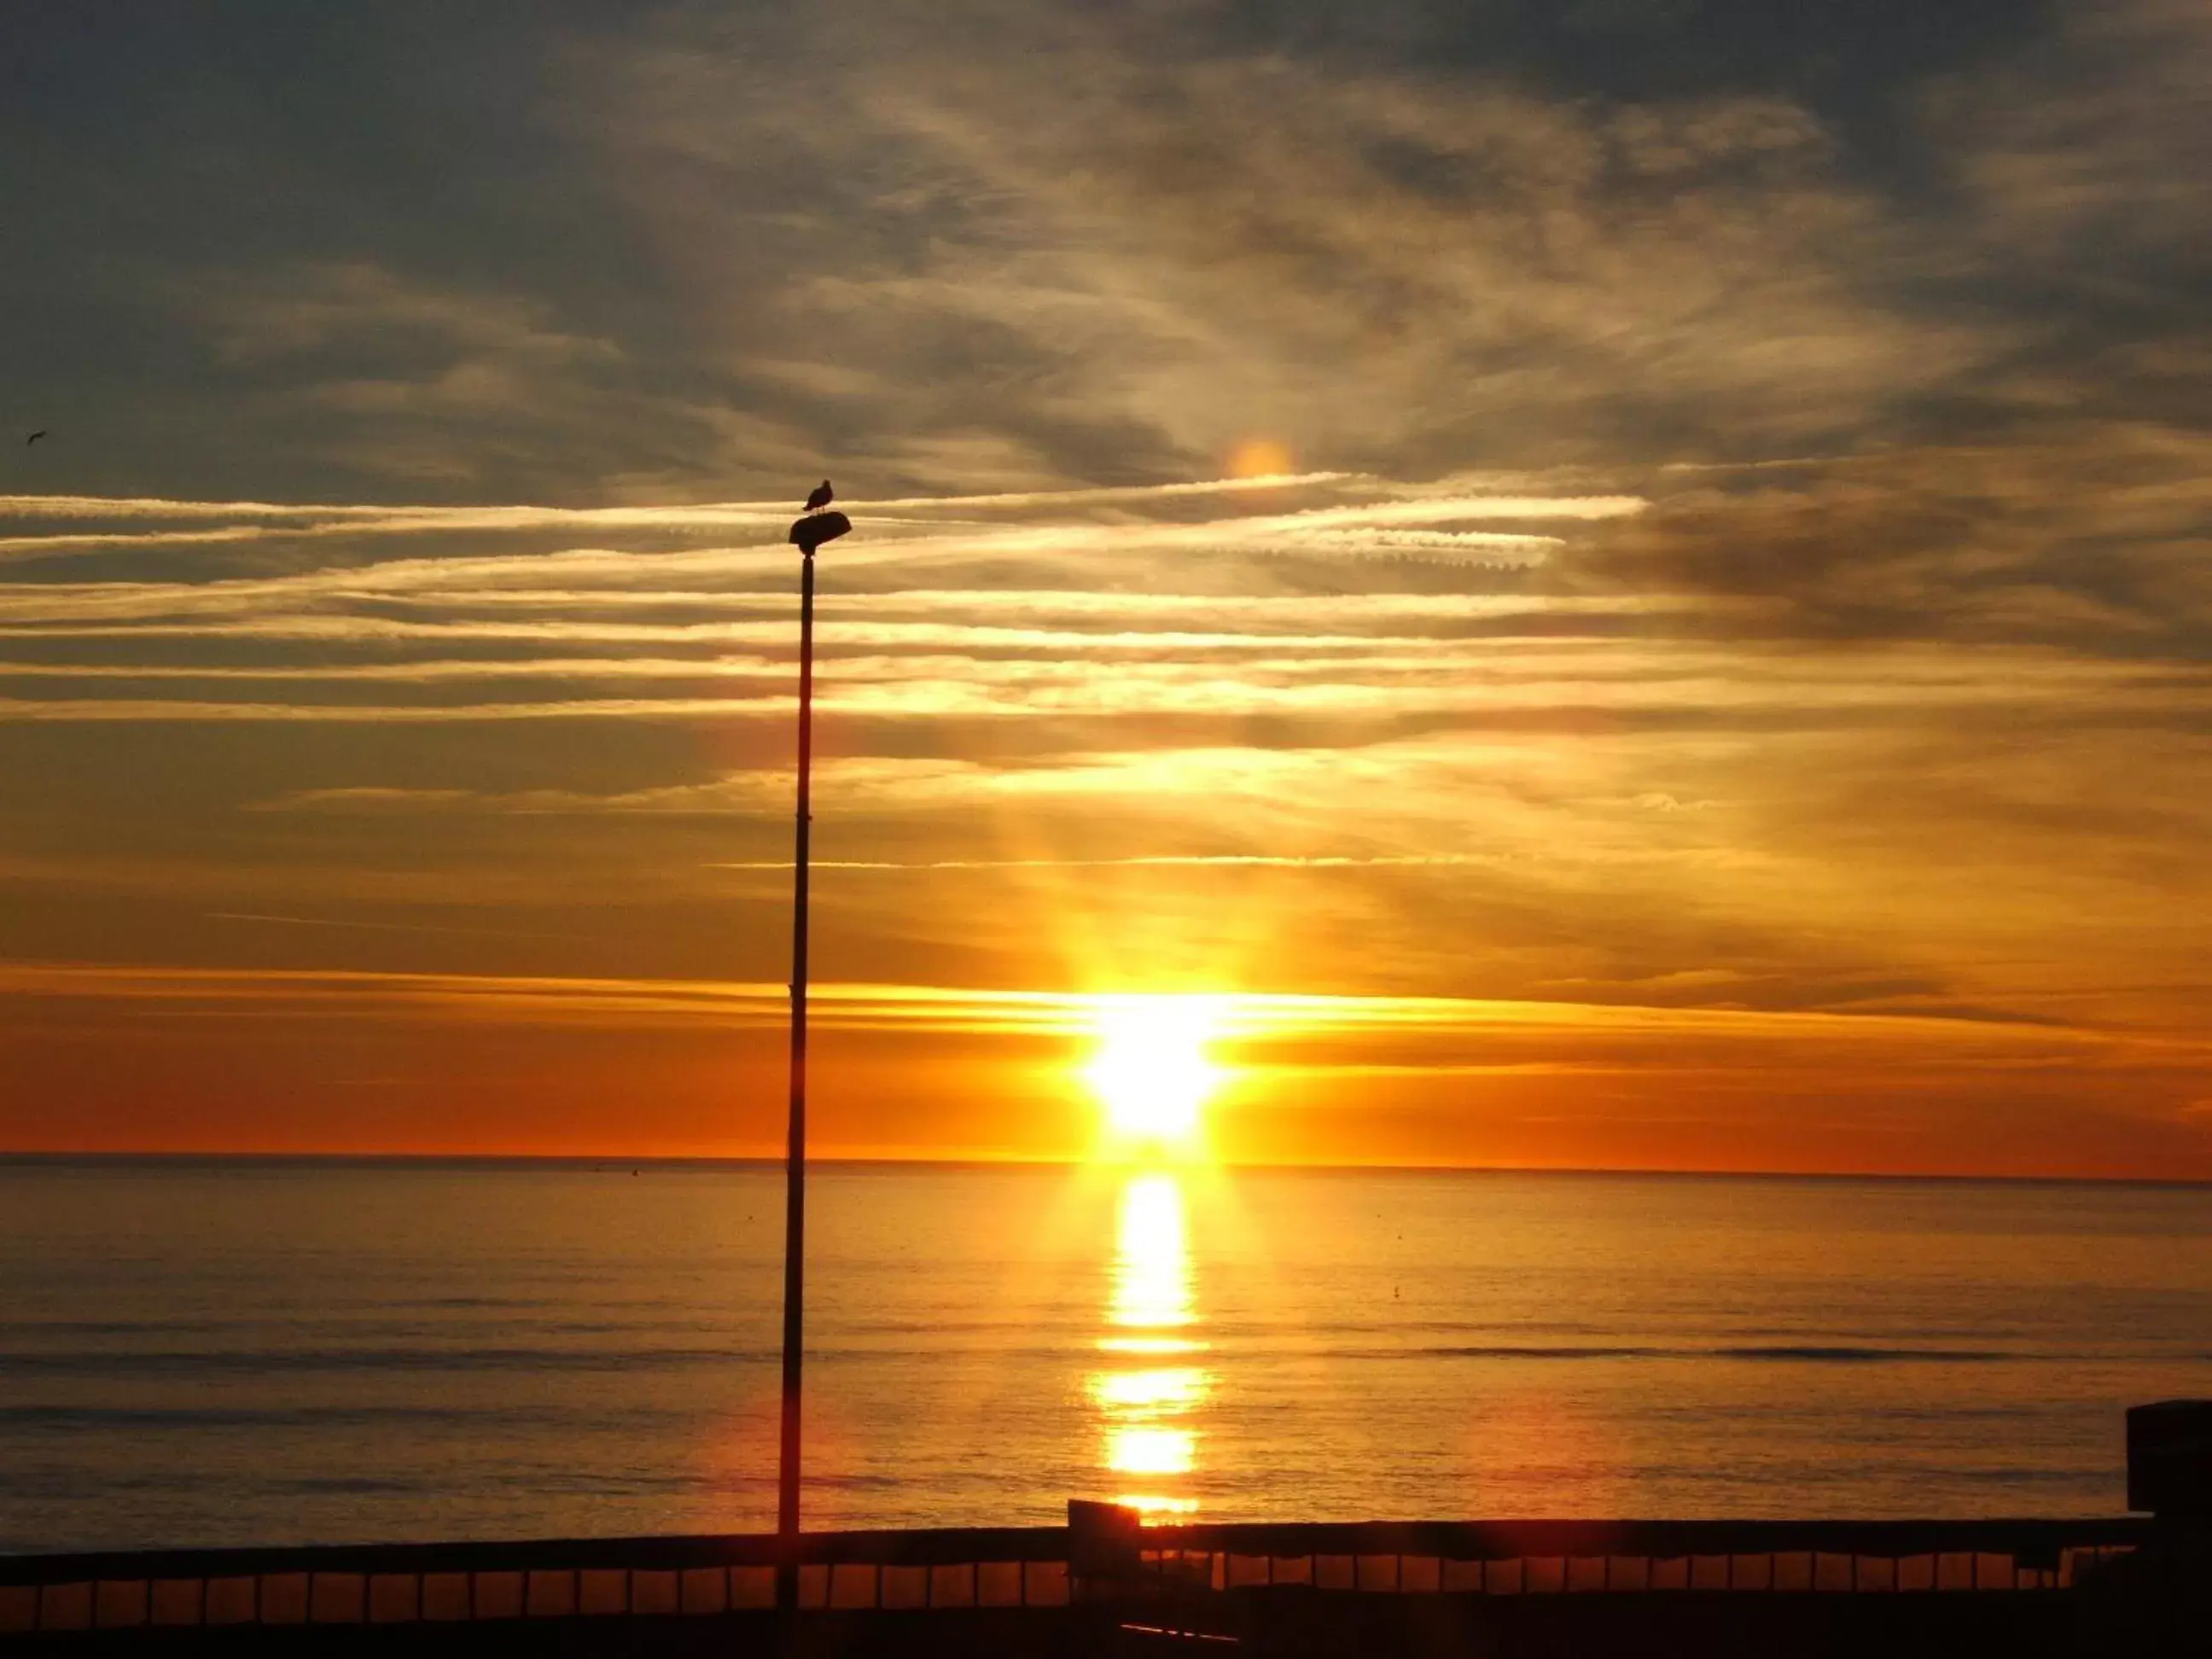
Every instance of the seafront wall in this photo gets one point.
(1500, 1587)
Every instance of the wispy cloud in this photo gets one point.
(1254, 1016)
(1734, 542)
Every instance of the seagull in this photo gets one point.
(820, 498)
(41, 433)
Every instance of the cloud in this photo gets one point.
(1182, 240)
(2088, 538)
(1745, 551)
(1257, 1017)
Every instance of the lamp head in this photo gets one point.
(816, 528)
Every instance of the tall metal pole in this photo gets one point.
(794, 1209)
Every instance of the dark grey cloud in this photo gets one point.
(2089, 538)
(554, 255)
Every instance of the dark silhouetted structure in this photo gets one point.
(1106, 1584)
(808, 534)
(1101, 1586)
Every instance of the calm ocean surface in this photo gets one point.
(243, 1352)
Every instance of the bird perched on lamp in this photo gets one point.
(818, 524)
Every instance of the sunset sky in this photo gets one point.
(1618, 584)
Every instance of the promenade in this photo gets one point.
(2034, 1587)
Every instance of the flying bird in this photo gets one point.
(41, 433)
(821, 497)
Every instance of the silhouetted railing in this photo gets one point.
(1018, 1567)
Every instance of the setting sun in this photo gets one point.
(1150, 1071)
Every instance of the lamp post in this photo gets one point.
(808, 534)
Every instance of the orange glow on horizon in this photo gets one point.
(507, 1064)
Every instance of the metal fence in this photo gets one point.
(1030, 1567)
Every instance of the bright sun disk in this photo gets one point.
(1150, 1071)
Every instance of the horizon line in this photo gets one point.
(711, 1160)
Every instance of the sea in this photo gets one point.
(203, 1353)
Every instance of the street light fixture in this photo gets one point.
(808, 534)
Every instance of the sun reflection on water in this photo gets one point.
(1151, 1314)
(1151, 1262)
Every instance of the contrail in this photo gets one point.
(374, 926)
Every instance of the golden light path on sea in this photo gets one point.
(1148, 1385)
